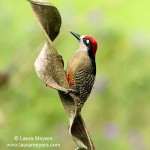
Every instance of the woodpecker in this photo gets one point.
(81, 68)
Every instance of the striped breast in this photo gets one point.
(81, 75)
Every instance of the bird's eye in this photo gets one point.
(86, 41)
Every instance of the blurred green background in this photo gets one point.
(117, 113)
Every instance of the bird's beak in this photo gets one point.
(76, 35)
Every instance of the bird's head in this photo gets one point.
(87, 43)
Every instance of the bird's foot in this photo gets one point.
(72, 91)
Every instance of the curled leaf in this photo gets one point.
(49, 68)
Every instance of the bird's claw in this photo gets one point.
(72, 91)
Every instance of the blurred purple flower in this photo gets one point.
(111, 131)
(136, 141)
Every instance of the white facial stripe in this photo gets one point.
(87, 41)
